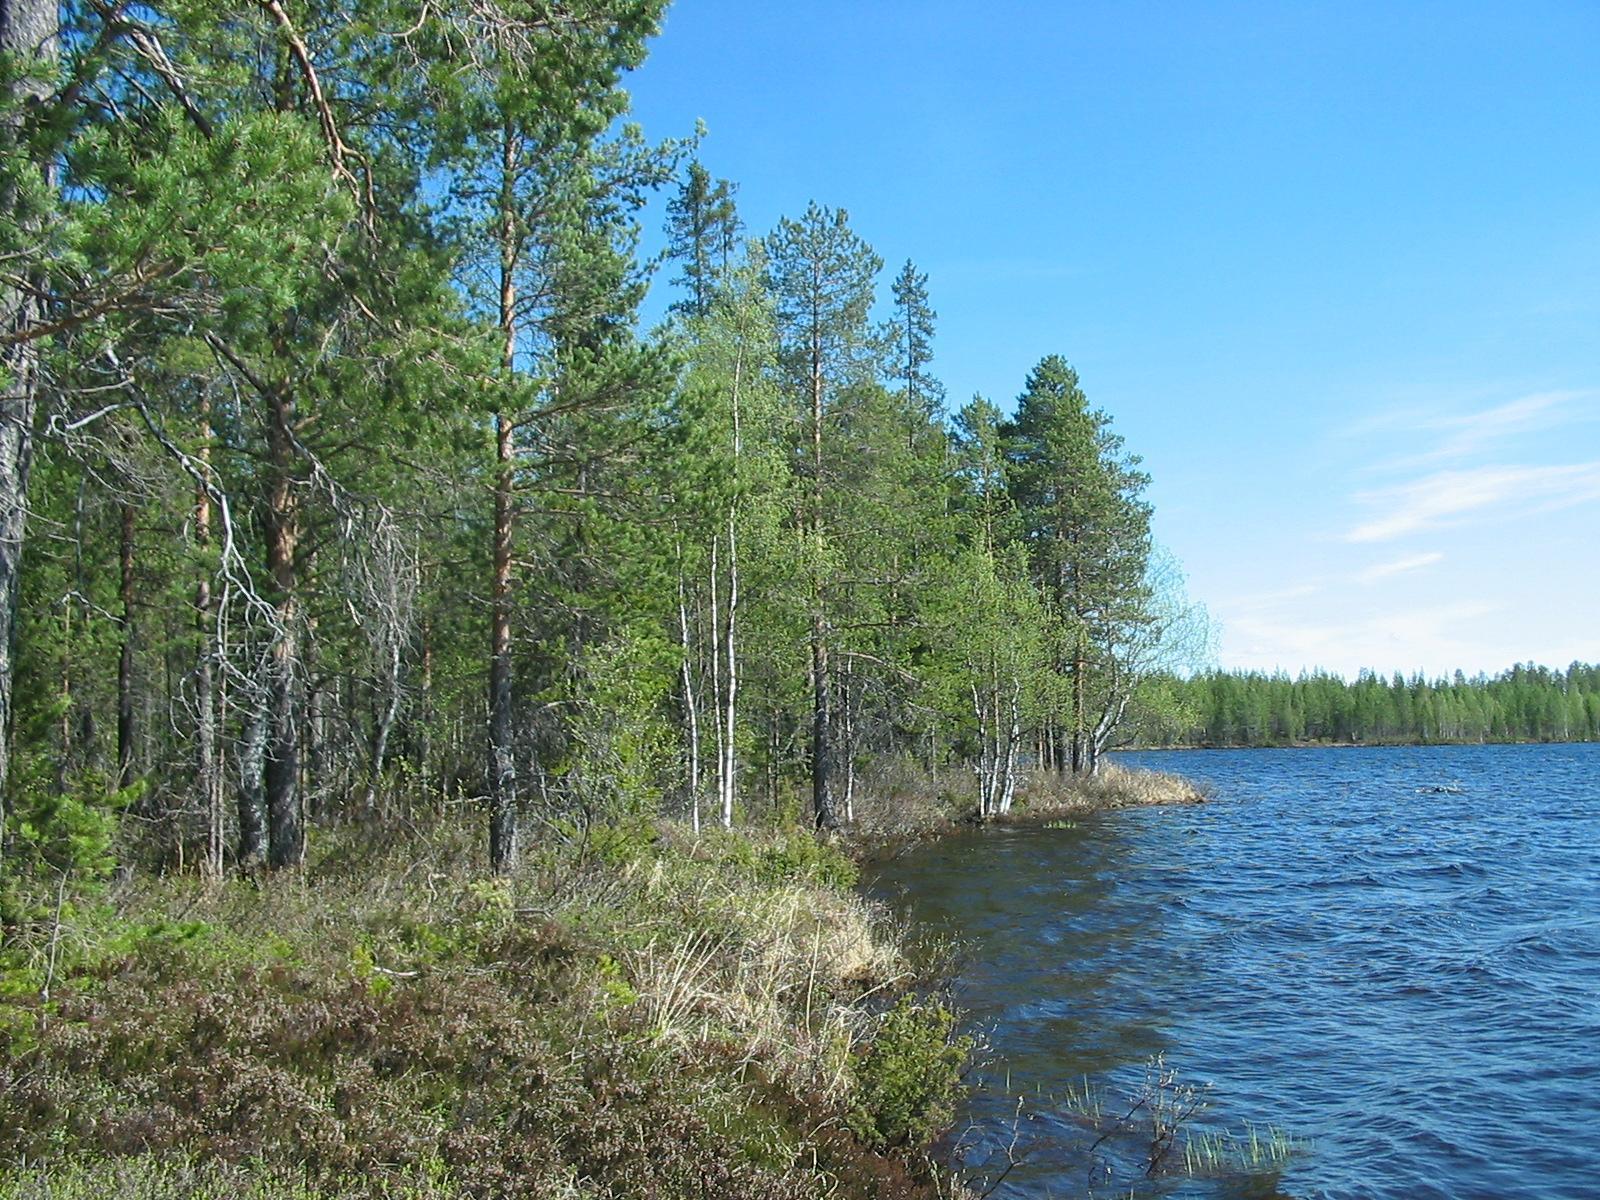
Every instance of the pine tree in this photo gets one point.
(910, 339)
(28, 52)
(1088, 532)
(546, 204)
(702, 233)
(822, 276)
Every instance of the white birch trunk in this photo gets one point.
(727, 763)
(981, 767)
(728, 766)
(714, 591)
(1008, 777)
(691, 709)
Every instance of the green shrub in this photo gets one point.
(787, 856)
(798, 855)
(909, 1076)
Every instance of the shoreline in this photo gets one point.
(1369, 745)
(1043, 798)
(661, 1014)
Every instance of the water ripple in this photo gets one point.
(1394, 954)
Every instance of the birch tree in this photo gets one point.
(727, 487)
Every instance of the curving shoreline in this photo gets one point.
(898, 819)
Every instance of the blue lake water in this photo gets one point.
(1391, 954)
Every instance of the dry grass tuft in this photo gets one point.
(1112, 786)
(901, 804)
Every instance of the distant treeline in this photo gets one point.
(1250, 708)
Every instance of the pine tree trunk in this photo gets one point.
(285, 829)
(502, 761)
(28, 30)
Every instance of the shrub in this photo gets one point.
(908, 1078)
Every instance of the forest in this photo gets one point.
(1527, 703)
(421, 684)
(338, 469)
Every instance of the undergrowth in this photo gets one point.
(637, 1013)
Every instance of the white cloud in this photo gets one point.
(1433, 639)
(1464, 436)
(1398, 567)
(1468, 434)
(1445, 496)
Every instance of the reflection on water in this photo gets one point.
(1393, 954)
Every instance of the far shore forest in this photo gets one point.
(1526, 703)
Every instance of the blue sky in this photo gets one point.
(1334, 269)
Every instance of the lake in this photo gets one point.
(1390, 955)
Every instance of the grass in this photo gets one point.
(1218, 1153)
(1084, 1100)
(1112, 786)
(1158, 1132)
(638, 1013)
(149, 1178)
